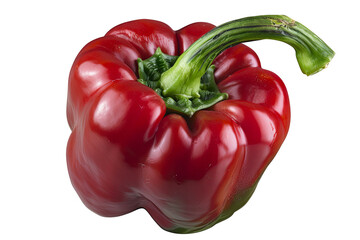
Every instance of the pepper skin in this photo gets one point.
(126, 151)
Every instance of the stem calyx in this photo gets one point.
(207, 93)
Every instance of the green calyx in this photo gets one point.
(186, 83)
(151, 70)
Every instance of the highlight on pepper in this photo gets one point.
(181, 123)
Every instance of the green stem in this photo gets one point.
(183, 78)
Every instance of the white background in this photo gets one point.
(311, 189)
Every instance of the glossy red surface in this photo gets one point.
(125, 152)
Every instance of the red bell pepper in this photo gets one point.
(187, 132)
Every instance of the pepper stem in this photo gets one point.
(183, 78)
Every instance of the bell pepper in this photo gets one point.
(181, 123)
